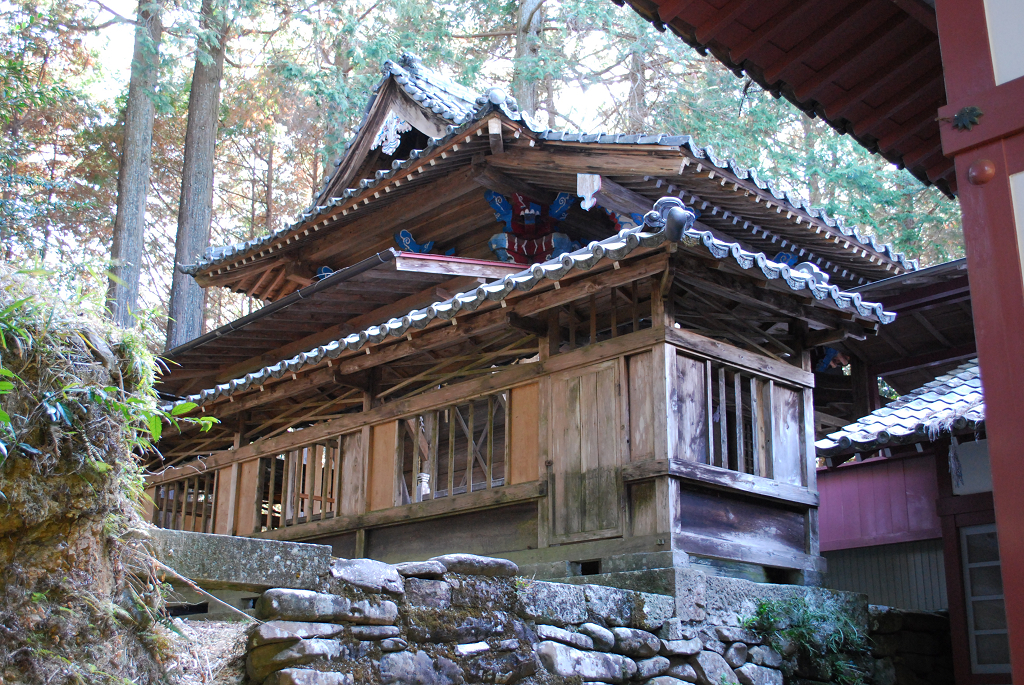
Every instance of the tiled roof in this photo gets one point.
(459, 105)
(616, 247)
(954, 401)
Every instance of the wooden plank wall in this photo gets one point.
(878, 501)
(383, 467)
(585, 450)
(787, 435)
(524, 433)
(689, 402)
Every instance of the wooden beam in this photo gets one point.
(506, 184)
(453, 266)
(494, 135)
(600, 190)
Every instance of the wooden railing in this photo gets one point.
(186, 504)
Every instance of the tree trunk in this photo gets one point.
(528, 29)
(133, 176)
(270, 186)
(195, 208)
(636, 114)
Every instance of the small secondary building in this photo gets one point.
(590, 354)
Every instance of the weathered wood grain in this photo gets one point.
(382, 480)
(719, 478)
(524, 433)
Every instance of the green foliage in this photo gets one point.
(822, 629)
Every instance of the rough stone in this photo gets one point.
(289, 631)
(481, 593)
(883, 672)
(636, 643)
(374, 632)
(609, 605)
(711, 669)
(924, 622)
(567, 661)
(506, 668)
(566, 637)
(474, 565)
(418, 668)
(226, 562)
(433, 594)
(554, 603)
(264, 660)
(676, 629)
(651, 668)
(752, 674)
(508, 645)
(691, 595)
(680, 647)
(306, 676)
(450, 627)
(884, 645)
(393, 644)
(683, 671)
(711, 642)
(653, 611)
(604, 639)
(765, 656)
(736, 655)
(730, 634)
(884, 620)
(472, 648)
(368, 574)
(303, 605)
(421, 569)
(665, 680)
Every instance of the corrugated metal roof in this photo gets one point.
(458, 105)
(953, 401)
(616, 247)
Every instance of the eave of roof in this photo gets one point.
(313, 220)
(954, 401)
(929, 167)
(615, 248)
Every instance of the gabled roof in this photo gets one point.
(437, 99)
(617, 247)
(954, 401)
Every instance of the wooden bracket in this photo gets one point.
(494, 133)
(525, 323)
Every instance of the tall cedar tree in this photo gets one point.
(195, 205)
(133, 176)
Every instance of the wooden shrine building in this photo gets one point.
(489, 338)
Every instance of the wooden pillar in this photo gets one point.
(983, 67)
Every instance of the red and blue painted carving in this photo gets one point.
(529, 235)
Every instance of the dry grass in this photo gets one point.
(209, 653)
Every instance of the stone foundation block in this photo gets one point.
(712, 669)
(482, 593)
(676, 629)
(752, 674)
(373, 633)
(369, 575)
(683, 671)
(666, 680)
(608, 605)
(636, 643)
(736, 655)
(305, 676)
(680, 647)
(566, 637)
(264, 660)
(729, 634)
(303, 605)
(418, 668)
(421, 569)
(553, 603)
(566, 661)
(432, 594)
(604, 639)
(651, 668)
(289, 631)
(474, 565)
(765, 656)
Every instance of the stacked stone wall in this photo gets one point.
(465, 619)
(911, 648)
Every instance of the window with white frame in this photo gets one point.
(983, 588)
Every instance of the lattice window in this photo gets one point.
(186, 504)
(299, 486)
(458, 449)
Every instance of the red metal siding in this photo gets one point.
(877, 502)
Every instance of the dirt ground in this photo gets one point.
(209, 653)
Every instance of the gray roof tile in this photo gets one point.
(953, 401)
